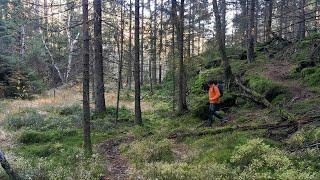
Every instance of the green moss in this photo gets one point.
(311, 76)
(266, 87)
(204, 77)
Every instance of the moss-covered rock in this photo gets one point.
(266, 87)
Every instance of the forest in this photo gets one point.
(159, 89)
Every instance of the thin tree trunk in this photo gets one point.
(282, 8)
(256, 21)
(250, 45)
(161, 41)
(244, 21)
(129, 70)
(120, 62)
(150, 59)
(142, 45)
(86, 94)
(173, 63)
(154, 45)
(23, 42)
(189, 30)
(269, 19)
(138, 119)
(302, 24)
(223, 19)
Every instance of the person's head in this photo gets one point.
(212, 82)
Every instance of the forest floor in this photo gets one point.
(43, 136)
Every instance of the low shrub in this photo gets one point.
(31, 137)
(26, 118)
(182, 171)
(257, 160)
(151, 151)
(70, 110)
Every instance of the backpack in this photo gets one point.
(221, 88)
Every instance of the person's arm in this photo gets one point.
(216, 93)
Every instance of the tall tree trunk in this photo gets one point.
(269, 19)
(98, 60)
(154, 45)
(173, 65)
(86, 78)
(190, 17)
(223, 19)
(129, 70)
(250, 45)
(23, 42)
(302, 24)
(282, 9)
(244, 21)
(161, 41)
(138, 119)
(256, 21)
(317, 13)
(120, 49)
(222, 49)
(150, 51)
(46, 24)
(179, 24)
(142, 45)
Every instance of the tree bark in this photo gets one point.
(120, 49)
(282, 8)
(250, 44)
(150, 51)
(269, 20)
(138, 118)
(129, 70)
(142, 46)
(86, 93)
(223, 19)
(179, 24)
(161, 41)
(154, 45)
(302, 24)
(222, 51)
(98, 60)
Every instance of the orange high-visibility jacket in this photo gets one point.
(214, 94)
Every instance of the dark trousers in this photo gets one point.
(212, 112)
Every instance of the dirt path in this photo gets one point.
(279, 72)
(118, 166)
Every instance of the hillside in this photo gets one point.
(42, 138)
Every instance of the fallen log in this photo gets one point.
(269, 127)
(258, 98)
(8, 169)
